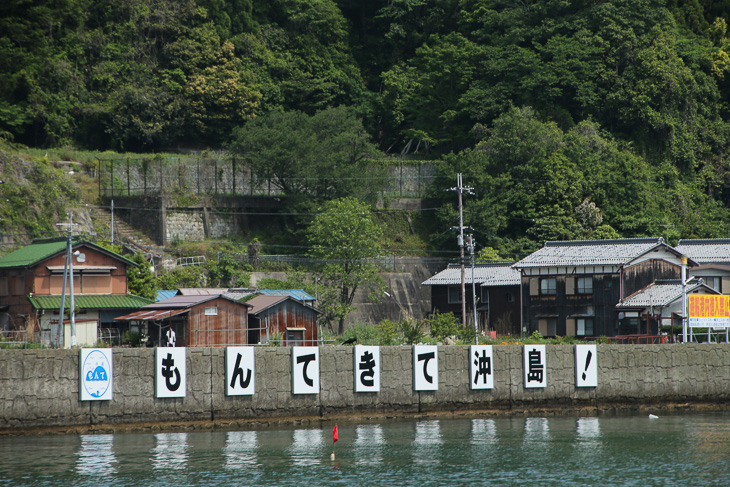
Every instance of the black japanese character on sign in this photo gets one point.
(535, 370)
(367, 365)
(306, 359)
(238, 372)
(483, 366)
(168, 371)
(426, 357)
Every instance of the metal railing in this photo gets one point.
(636, 339)
(110, 336)
(13, 339)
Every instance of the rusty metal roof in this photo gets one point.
(152, 314)
(182, 301)
(201, 291)
(263, 302)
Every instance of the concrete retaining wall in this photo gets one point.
(40, 388)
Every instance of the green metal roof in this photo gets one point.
(85, 301)
(40, 250)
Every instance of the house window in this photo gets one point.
(584, 285)
(294, 337)
(509, 297)
(454, 294)
(548, 285)
(713, 282)
(485, 294)
(584, 327)
(211, 311)
(547, 326)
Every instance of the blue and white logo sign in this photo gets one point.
(95, 372)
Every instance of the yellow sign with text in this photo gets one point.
(709, 310)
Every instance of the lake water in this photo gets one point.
(687, 449)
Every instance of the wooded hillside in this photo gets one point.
(572, 119)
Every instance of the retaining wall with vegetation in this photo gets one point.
(40, 388)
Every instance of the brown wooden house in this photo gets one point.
(198, 321)
(31, 284)
(293, 320)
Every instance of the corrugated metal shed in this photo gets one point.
(490, 274)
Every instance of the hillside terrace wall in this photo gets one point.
(40, 388)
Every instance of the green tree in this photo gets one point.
(141, 279)
(226, 271)
(312, 158)
(442, 325)
(343, 237)
(181, 277)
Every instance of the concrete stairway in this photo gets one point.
(132, 240)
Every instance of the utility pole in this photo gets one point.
(67, 272)
(471, 243)
(112, 222)
(461, 189)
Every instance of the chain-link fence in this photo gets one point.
(231, 176)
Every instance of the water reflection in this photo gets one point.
(369, 444)
(537, 433)
(306, 446)
(96, 456)
(588, 434)
(483, 432)
(559, 451)
(427, 442)
(171, 451)
(240, 449)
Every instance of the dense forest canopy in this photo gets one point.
(571, 118)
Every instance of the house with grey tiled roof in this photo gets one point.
(713, 257)
(660, 303)
(572, 288)
(497, 293)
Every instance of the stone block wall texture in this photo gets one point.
(40, 388)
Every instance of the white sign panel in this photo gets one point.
(170, 372)
(534, 366)
(240, 371)
(425, 368)
(305, 370)
(586, 366)
(95, 374)
(366, 368)
(480, 367)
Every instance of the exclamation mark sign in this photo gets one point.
(588, 362)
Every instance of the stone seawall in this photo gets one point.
(40, 388)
